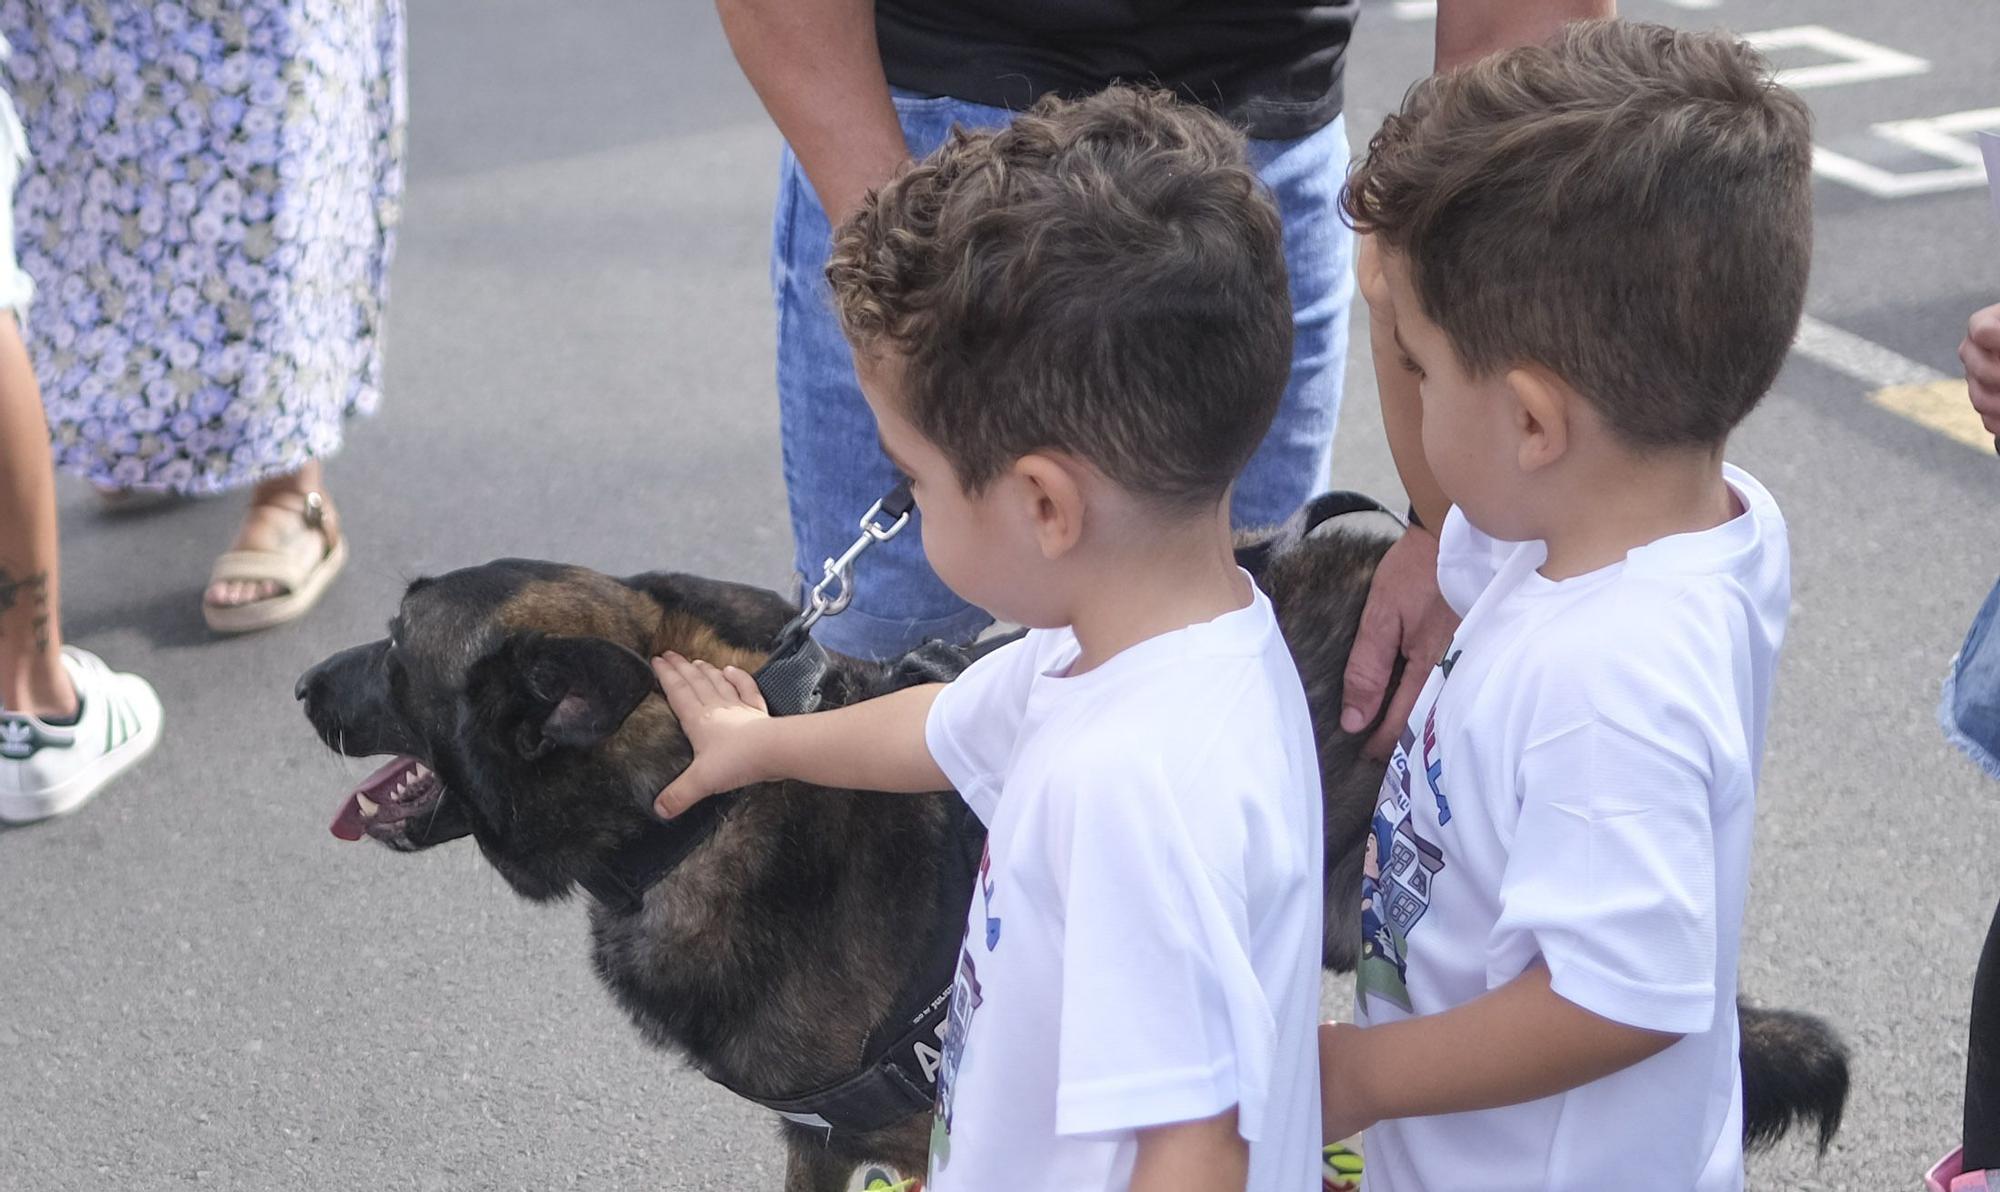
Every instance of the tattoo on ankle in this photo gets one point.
(35, 587)
(42, 640)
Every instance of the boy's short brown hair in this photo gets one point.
(1104, 277)
(1629, 206)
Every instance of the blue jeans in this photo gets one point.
(834, 469)
(1970, 709)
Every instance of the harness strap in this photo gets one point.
(1298, 527)
(793, 677)
(898, 1074)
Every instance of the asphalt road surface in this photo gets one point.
(199, 986)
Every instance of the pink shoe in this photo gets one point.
(1949, 1175)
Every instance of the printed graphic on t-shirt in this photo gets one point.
(965, 998)
(1397, 871)
(986, 894)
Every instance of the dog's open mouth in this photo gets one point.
(401, 790)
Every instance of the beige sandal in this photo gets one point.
(304, 581)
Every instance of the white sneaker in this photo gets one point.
(47, 769)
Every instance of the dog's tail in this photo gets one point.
(1794, 1073)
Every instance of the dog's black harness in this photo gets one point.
(900, 1057)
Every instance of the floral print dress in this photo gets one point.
(207, 213)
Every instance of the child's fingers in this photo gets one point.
(670, 670)
(714, 688)
(745, 686)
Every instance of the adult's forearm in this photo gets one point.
(875, 745)
(815, 65)
(1468, 30)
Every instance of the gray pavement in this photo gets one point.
(199, 986)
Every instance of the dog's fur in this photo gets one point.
(768, 955)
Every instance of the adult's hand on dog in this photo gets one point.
(720, 711)
(1980, 353)
(1405, 617)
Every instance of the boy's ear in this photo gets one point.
(589, 686)
(1054, 499)
(1543, 410)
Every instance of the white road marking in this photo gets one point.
(1862, 359)
(1859, 60)
(1904, 387)
(1414, 10)
(1947, 138)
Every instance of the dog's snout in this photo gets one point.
(312, 684)
(344, 698)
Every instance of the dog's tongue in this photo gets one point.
(349, 823)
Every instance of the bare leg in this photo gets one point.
(32, 678)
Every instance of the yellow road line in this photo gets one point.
(1941, 406)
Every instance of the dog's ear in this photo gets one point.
(589, 686)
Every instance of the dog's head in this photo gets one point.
(516, 704)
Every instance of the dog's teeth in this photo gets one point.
(368, 805)
(422, 772)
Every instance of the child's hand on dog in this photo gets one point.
(720, 711)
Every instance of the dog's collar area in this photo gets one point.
(1311, 516)
(622, 879)
(793, 678)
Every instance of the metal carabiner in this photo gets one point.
(898, 505)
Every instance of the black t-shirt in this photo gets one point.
(1271, 66)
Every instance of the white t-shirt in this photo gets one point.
(1144, 943)
(1576, 785)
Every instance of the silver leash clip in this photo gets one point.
(839, 577)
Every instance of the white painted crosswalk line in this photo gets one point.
(1948, 138)
(1858, 60)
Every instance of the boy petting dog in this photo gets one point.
(1072, 333)
(1590, 257)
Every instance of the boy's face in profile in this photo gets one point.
(1471, 435)
(978, 545)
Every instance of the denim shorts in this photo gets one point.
(834, 469)
(1969, 713)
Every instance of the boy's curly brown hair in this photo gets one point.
(1628, 206)
(1105, 277)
